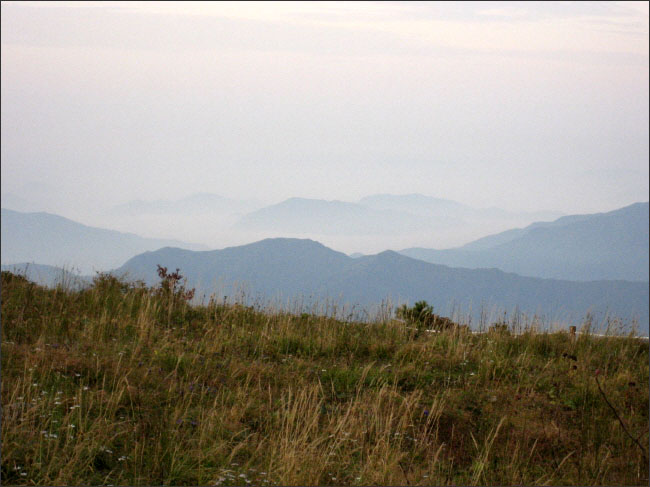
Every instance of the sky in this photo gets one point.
(523, 106)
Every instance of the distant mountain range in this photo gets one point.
(611, 245)
(378, 215)
(428, 206)
(306, 271)
(302, 216)
(200, 203)
(53, 240)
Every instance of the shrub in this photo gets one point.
(421, 315)
(172, 285)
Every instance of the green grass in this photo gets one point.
(119, 384)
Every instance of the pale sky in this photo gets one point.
(524, 106)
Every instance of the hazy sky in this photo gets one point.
(524, 106)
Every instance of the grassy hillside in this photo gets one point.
(121, 384)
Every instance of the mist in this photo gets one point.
(523, 107)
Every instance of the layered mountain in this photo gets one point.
(199, 203)
(53, 240)
(312, 216)
(612, 245)
(295, 270)
(428, 206)
(380, 221)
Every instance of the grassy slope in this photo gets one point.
(113, 385)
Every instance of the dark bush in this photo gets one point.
(422, 316)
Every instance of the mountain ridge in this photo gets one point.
(55, 240)
(602, 246)
(303, 269)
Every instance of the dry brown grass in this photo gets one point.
(106, 386)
